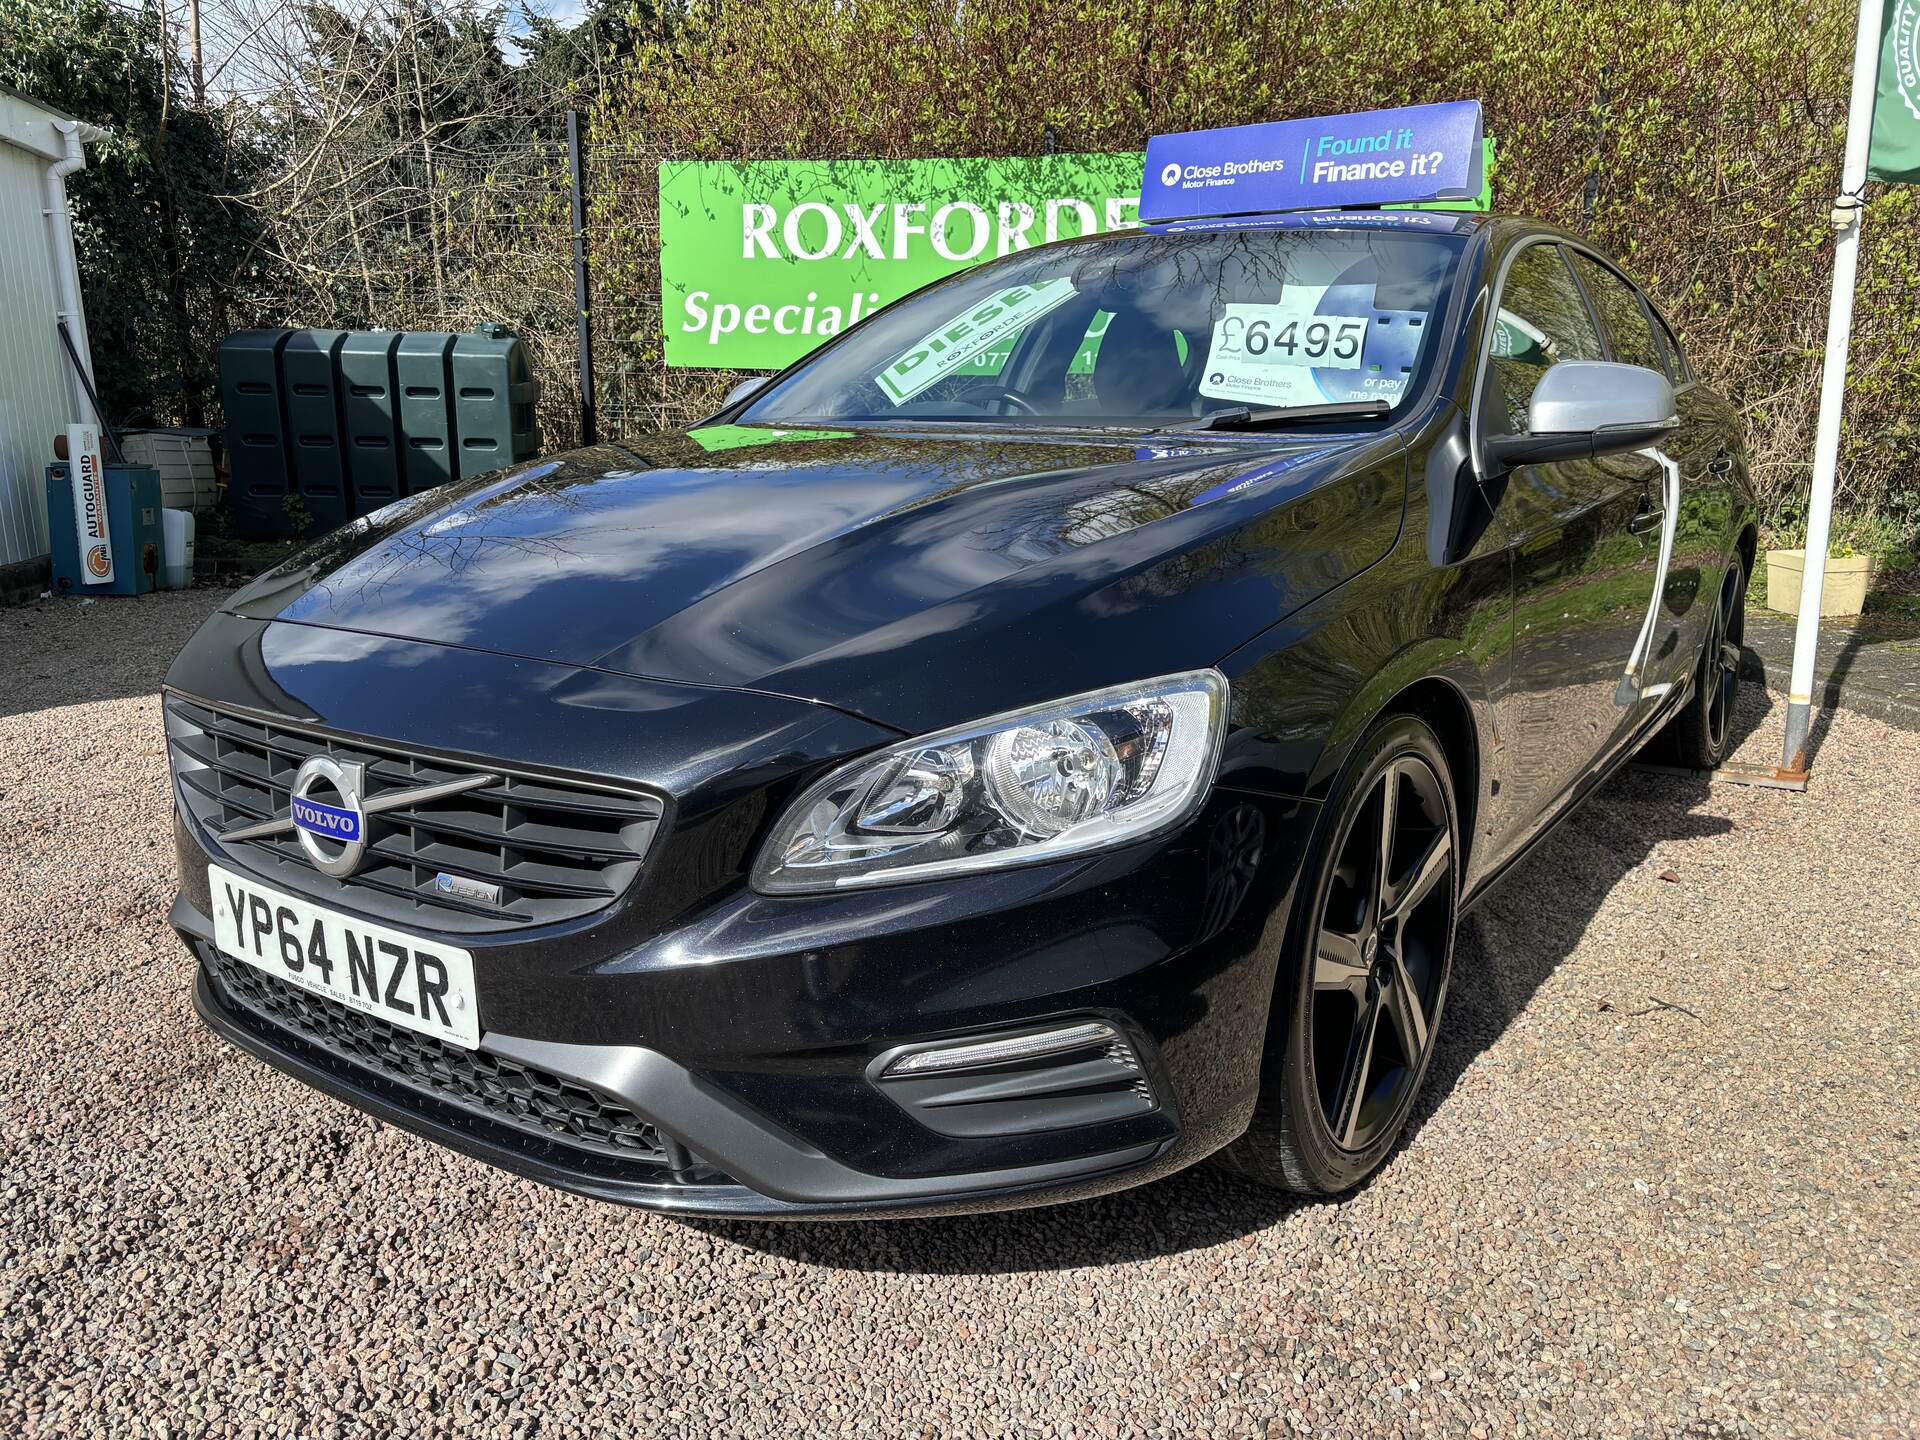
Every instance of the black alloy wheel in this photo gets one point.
(1720, 668)
(1701, 735)
(1372, 949)
(1385, 929)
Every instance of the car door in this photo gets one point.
(1715, 494)
(1575, 529)
(1627, 329)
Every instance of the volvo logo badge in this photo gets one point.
(330, 809)
(328, 820)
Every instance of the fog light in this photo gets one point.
(984, 1053)
(1078, 1074)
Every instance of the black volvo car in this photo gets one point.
(1045, 737)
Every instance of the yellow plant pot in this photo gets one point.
(1843, 592)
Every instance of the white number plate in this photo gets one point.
(417, 984)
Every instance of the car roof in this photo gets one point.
(1411, 221)
(1439, 222)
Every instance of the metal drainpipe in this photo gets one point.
(66, 270)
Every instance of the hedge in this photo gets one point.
(1697, 142)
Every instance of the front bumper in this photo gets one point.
(745, 1029)
(769, 1106)
(679, 1103)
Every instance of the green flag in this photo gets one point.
(1895, 150)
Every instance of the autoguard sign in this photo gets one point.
(88, 474)
(761, 261)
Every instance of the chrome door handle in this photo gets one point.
(1720, 464)
(1646, 520)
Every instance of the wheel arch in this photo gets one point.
(1445, 711)
(1444, 690)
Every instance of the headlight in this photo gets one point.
(1082, 774)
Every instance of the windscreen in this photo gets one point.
(1146, 328)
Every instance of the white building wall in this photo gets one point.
(36, 391)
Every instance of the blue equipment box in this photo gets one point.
(133, 528)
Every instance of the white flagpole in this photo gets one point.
(1833, 382)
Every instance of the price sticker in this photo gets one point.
(1265, 354)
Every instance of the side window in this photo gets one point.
(1542, 319)
(1628, 329)
(1677, 370)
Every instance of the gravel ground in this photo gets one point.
(1662, 1184)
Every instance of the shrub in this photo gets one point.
(1697, 142)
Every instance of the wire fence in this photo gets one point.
(385, 237)
(388, 239)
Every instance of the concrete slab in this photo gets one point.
(1871, 664)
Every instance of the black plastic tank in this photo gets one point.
(250, 395)
(315, 457)
(495, 399)
(370, 417)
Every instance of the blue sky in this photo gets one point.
(567, 12)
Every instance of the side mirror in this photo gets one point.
(741, 391)
(1582, 409)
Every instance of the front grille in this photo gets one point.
(556, 850)
(521, 1097)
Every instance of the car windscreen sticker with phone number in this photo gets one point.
(1267, 354)
(994, 321)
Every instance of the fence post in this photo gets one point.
(1590, 199)
(582, 290)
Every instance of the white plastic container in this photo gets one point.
(176, 540)
(184, 459)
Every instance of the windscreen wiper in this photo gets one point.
(1242, 417)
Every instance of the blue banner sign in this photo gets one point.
(1380, 157)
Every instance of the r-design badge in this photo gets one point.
(327, 816)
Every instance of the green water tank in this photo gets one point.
(346, 421)
(250, 396)
(316, 463)
(495, 399)
(370, 417)
(423, 366)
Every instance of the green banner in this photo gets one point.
(1895, 150)
(761, 261)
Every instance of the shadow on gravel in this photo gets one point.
(56, 654)
(1507, 949)
(1197, 1208)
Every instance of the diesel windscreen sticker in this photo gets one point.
(990, 323)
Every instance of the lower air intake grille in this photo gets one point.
(532, 1101)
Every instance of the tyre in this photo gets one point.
(1700, 736)
(1364, 983)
